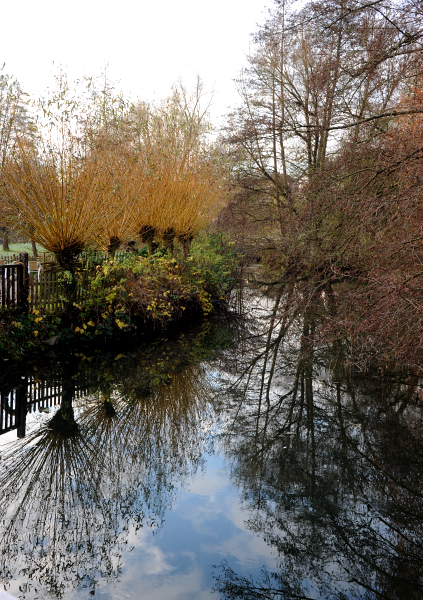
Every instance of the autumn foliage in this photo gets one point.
(328, 139)
(148, 172)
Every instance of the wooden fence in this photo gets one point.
(8, 258)
(28, 285)
(13, 286)
(46, 292)
(34, 283)
(43, 257)
(30, 397)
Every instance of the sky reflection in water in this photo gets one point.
(190, 464)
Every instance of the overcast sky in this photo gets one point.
(146, 45)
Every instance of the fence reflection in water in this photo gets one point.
(32, 396)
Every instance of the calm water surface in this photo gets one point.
(235, 461)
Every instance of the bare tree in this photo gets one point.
(14, 117)
(331, 71)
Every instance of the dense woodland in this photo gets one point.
(318, 169)
(328, 144)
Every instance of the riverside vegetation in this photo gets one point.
(318, 174)
(104, 173)
(328, 134)
(133, 295)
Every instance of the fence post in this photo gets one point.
(24, 291)
(21, 409)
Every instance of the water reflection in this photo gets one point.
(329, 464)
(87, 477)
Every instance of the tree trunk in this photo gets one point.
(113, 246)
(34, 249)
(147, 233)
(6, 239)
(168, 238)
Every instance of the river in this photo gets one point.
(233, 461)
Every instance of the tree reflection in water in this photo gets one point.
(329, 463)
(330, 467)
(103, 466)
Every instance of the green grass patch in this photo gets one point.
(17, 248)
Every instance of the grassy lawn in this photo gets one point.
(16, 248)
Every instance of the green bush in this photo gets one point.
(132, 291)
(20, 334)
(214, 264)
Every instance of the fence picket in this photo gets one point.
(43, 288)
(12, 292)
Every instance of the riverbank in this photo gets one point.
(130, 297)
